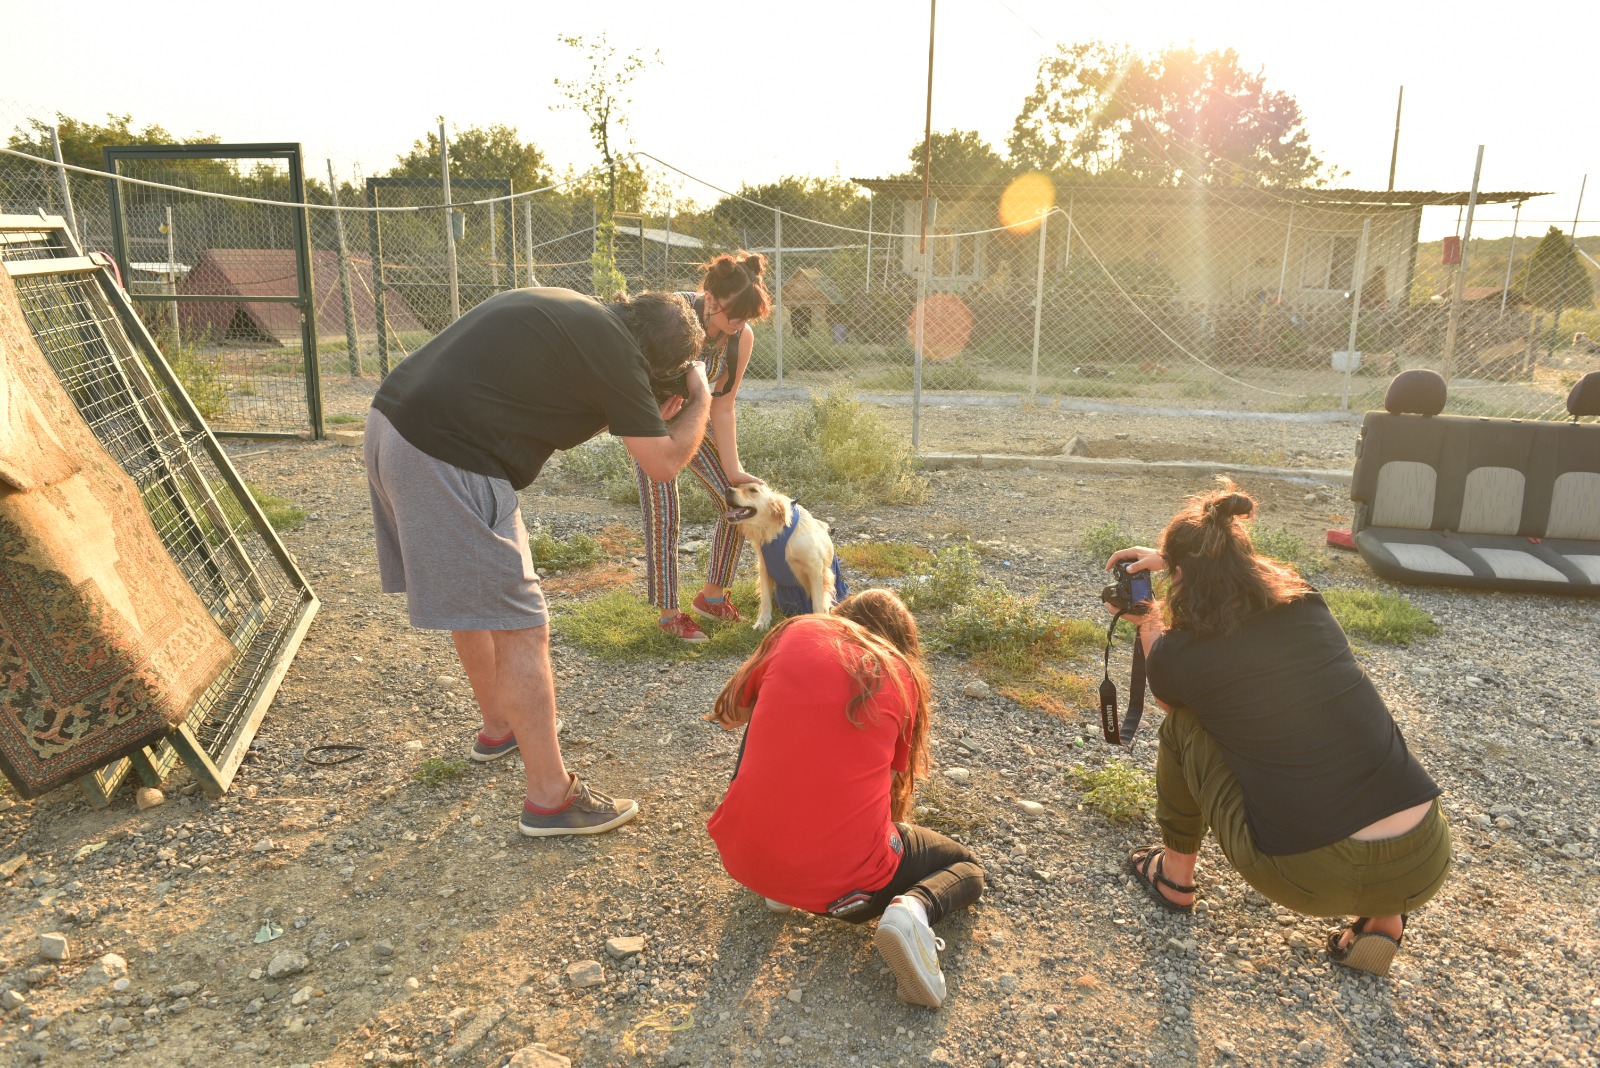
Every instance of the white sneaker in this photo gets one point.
(774, 905)
(911, 950)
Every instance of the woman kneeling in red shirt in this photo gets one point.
(837, 708)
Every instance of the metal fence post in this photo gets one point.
(379, 304)
(494, 264)
(1283, 262)
(777, 245)
(527, 228)
(66, 189)
(1358, 283)
(449, 226)
(1461, 276)
(172, 278)
(351, 343)
(1038, 308)
(870, 199)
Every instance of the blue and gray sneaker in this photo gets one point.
(910, 949)
(485, 749)
(585, 811)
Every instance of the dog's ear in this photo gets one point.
(779, 508)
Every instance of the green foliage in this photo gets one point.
(953, 576)
(1554, 278)
(958, 156)
(1118, 791)
(1287, 547)
(1105, 538)
(606, 279)
(553, 555)
(436, 771)
(619, 626)
(1011, 634)
(1380, 617)
(344, 419)
(200, 374)
(818, 208)
(882, 559)
(1104, 110)
(82, 142)
(281, 512)
(494, 151)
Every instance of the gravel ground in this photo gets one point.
(417, 927)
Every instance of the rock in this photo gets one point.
(53, 946)
(10, 999)
(121, 1025)
(184, 990)
(940, 1055)
(383, 949)
(1032, 808)
(976, 689)
(796, 995)
(287, 962)
(351, 438)
(585, 973)
(263, 846)
(301, 996)
(108, 969)
(10, 867)
(1077, 445)
(1008, 983)
(148, 797)
(624, 947)
(537, 1056)
(1225, 1047)
(957, 774)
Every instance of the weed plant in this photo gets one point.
(1380, 617)
(201, 375)
(1118, 791)
(281, 512)
(619, 626)
(1287, 547)
(1105, 538)
(436, 771)
(883, 559)
(554, 555)
(344, 419)
(951, 577)
(1012, 636)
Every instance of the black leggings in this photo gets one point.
(942, 874)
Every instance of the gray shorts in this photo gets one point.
(451, 540)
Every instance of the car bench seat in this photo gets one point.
(1507, 504)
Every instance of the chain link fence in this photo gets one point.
(1027, 292)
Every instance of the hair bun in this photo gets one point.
(1233, 504)
(756, 264)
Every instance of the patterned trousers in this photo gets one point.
(659, 503)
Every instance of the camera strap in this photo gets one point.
(1114, 733)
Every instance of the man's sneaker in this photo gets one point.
(911, 951)
(585, 811)
(683, 628)
(722, 611)
(485, 750)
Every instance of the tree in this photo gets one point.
(478, 152)
(82, 142)
(600, 95)
(959, 156)
(1181, 116)
(1555, 281)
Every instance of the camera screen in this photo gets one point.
(1139, 587)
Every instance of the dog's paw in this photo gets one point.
(761, 623)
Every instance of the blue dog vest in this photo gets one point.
(792, 598)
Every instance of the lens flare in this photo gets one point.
(946, 326)
(1025, 202)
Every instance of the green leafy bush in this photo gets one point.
(1287, 547)
(436, 771)
(1105, 538)
(1381, 617)
(552, 554)
(952, 576)
(1118, 791)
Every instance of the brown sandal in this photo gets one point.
(1145, 864)
(1368, 951)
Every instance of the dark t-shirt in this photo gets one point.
(524, 373)
(1302, 728)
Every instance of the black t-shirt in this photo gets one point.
(524, 373)
(1302, 728)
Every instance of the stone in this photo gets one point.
(627, 946)
(287, 962)
(184, 990)
(53, 946)
(796, 995)
(1032, 808)
(301, 996)
(263, 846)
(12, 865)
(108, 969)
(957, 774)
(121, 1025)
(383, 949)
(537, 1056)
(977, 689)
(351, 438)
(11, 999)
(1077, 445)
(148, 797)
(585, 973)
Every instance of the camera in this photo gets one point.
(1130, 590)
(671, 385)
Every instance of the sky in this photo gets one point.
(753, 92)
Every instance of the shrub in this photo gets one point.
(436, 771)
(552, 554)
(1118, 791)
(882, 559)
(952, 576)
(1105, 538)
(1381, 617)
(1011, 633)
(201, 376)
(1287, 547)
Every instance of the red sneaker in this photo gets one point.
(683, 628)
(722, 611)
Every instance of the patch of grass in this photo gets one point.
(1257, 457)
(436, 771)
(883, 559)
(344, 420)
(1012, 636)
(1118, 791)
(1053, 691)
(552, 554)
(952, 576)
(281, 512)
(1287, 547)
(619, 626)
(952, 376)
(1380, 617)
(201, 375)
(940, 807)
(1105, 538)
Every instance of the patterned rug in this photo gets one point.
(103, 644)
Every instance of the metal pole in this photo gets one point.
(666, 252)
(777, 292)
(922, 248)
(869, 241)
(449, 225)
(66, 189)
(380, 303)
(924, 269)
(1066, 254)
(1394, 153)
(172, 279)
(1283, 264)
(494, 264)
(1038, 307)
(527, 230)
(1461, 276)
(1360, 282)
(1573, 235)
(353, 350)
(1505, 290)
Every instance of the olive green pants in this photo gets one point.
(1196, 790)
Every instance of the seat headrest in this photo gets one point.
(1415, 392)
(1584, 399)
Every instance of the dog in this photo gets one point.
(797, 566)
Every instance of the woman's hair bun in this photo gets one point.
(755, 264)
(1230, 505)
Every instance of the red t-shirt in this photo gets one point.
(806, 820)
